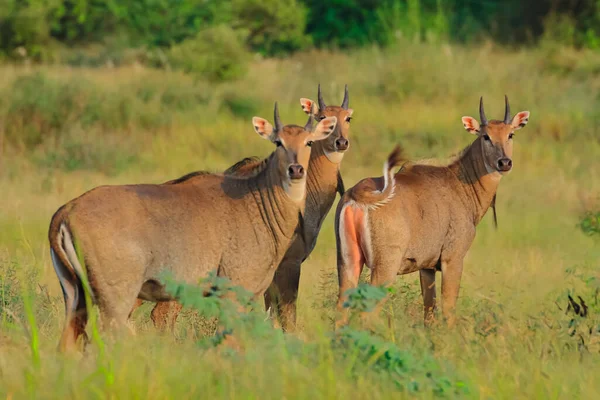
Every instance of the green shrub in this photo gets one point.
(371, 354)
(37, 108)
(82, 150)
(590, 223)
(271, 26)
(243, 107)
(216, 53)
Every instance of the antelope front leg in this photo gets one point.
(282, 295)
(451, 274)
(428, 292)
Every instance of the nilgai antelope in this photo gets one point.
(323, 181)
(129, 235)
(424, 217)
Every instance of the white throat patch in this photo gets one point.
(296, 189)
(335, 157)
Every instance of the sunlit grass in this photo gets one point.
(512, 340)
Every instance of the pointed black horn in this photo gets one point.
(278, 124)
(346, 98)
(320, 97)
(506, 110)
(309, 125)
(482, 113)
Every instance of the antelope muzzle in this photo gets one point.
(504, 164)
(342, 144)
(296, 171)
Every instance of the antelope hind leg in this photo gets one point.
(427, 277)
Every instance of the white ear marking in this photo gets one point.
(471, 125)
(520, 120)
(263, 128)
(308, 106)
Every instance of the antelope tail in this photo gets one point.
(376, 198)
(70, 272)
(394, 159)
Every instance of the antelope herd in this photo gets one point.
(258, 221)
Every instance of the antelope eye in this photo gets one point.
(321, 117)
(486, 137)
(278, 143)
(309, 143)
(511, 135)
(348, 119)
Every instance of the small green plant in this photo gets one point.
(216, 297)
(372, 354)
(590, 223)
(410, 373)
(364, 298)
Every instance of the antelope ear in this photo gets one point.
(471, 125)
(263, 128)
(309, 106)
(520, 120)
(324, 128)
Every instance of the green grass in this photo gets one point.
(67, 130)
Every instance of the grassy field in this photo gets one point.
(64, 131)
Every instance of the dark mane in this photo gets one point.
(243, 163)
(249, 166)
(186, 177)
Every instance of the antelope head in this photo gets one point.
(293, 148)
(338, 142)
(496, 137)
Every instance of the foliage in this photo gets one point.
(37, 29)
(216, 54)
(590, 223)
(238, 317)
(364, 298)
(411, 374)
(271, 26)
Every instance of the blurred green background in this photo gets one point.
(219, 33)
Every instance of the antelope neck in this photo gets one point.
(478, 180)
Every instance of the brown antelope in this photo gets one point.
(424, 217)
(323, 181)
(128, 235)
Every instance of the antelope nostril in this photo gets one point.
(341, 143)
(296, 171)
(504, 164)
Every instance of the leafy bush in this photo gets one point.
(81, 150)
(40, 108)
(364, 352)
(241, 106)
(364, 298)
(271, 26)
(216, 53)
(409, 373)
